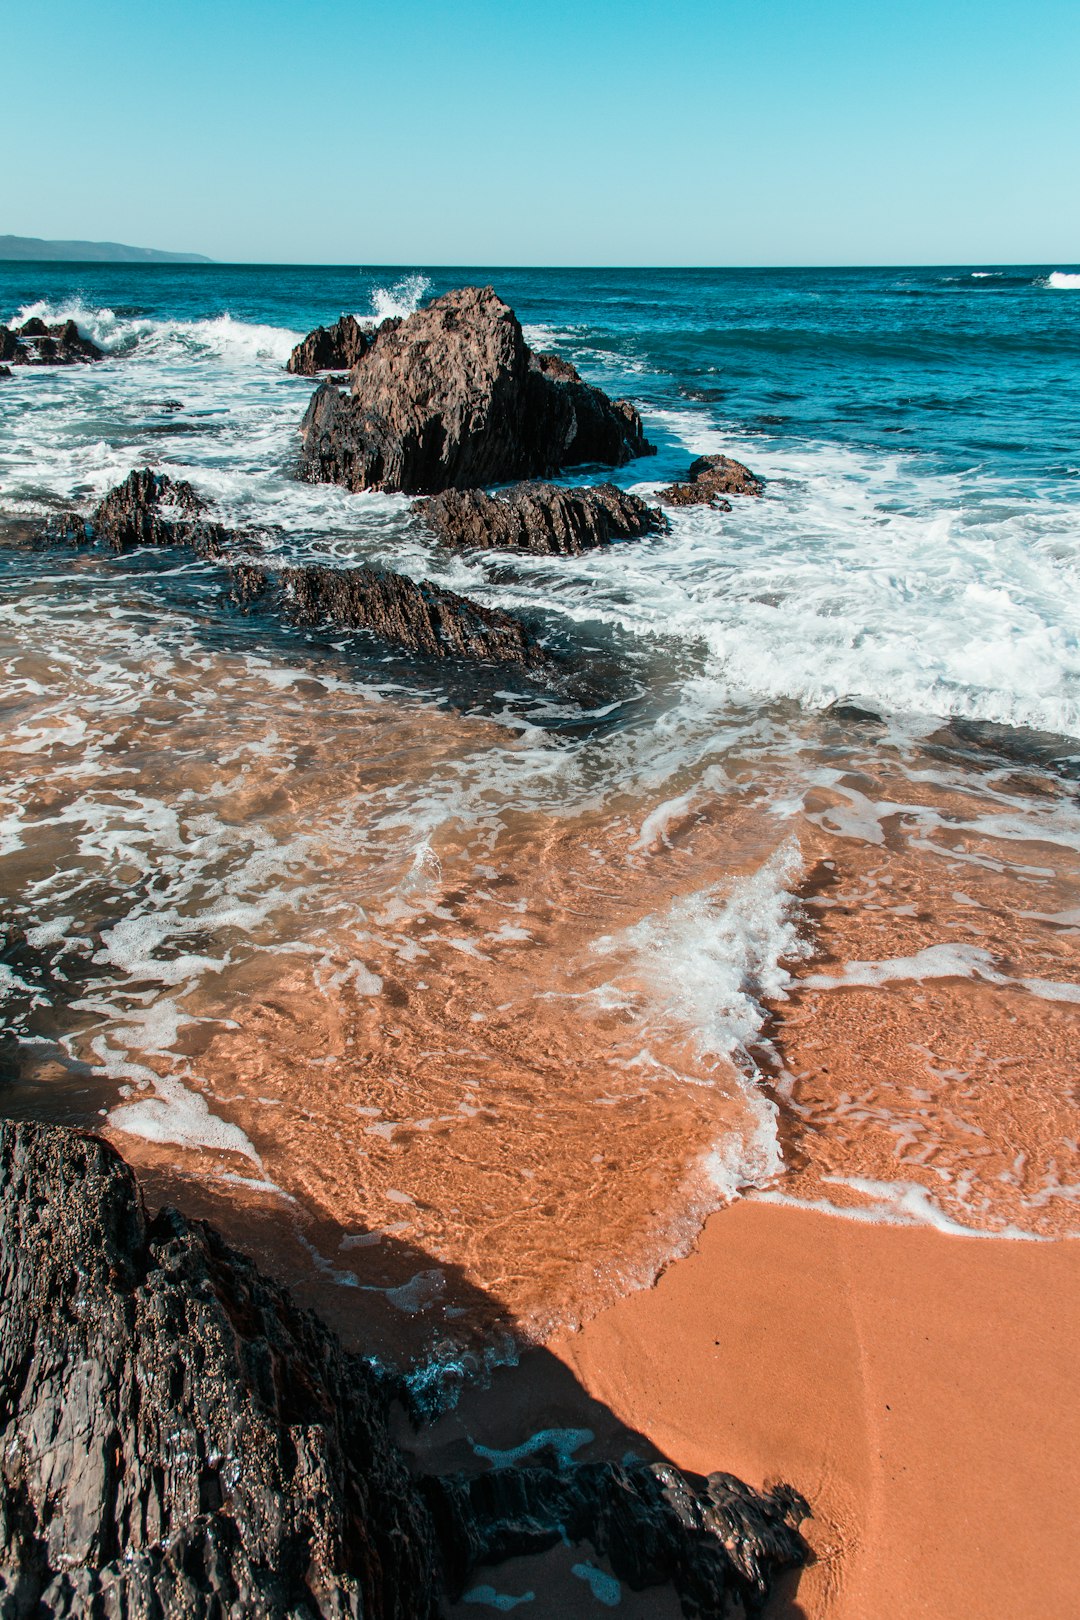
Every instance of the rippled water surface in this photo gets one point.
(488, 993)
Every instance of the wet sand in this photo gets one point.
(919, 1388)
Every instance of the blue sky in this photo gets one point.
(549, 133)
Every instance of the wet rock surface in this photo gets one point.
(150, 509)
(453, 398)
(711, 478)
(35, 344)
(423, 618)
(178, 1439)
(544, 518)
(336, 348)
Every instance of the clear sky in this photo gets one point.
(548, 131)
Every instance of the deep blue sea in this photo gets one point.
(252, 847)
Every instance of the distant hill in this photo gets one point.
(33, 247)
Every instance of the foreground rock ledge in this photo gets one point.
(178, 1439)
(453, 398)
(35, 344)
(543, 518)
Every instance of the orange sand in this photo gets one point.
(919, 1389)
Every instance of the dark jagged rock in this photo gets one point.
(178, 1439)
(5, 371)
(709, 479)
(719, 1545)
(541, 517)
(338, 347)
(453, 398)
(35, 344)
(152, 509)
(422, 618)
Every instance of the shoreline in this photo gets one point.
(916, 1388)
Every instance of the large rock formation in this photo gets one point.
(709, 479)
(541, 517)
(178, 1441)
(176, 1437)
(422, 618)
(152, 509)
(453, 398)
(35, 344)
(336, 348)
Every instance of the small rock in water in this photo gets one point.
(709, 479)
(152, 509)
(543, 518)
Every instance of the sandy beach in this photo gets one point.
(918, 1388)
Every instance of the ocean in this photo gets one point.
(477, 998)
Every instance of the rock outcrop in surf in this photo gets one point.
(151, 509)
(544, 518)
(709, 479)
(453, 398)
(423, 618)
(35, 344)
(179, 1441)
(338, 347)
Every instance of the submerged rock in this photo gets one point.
(336, 348)
(422, 618)
(5, 371)
(178, 1439)
(35, 344)
(453, 398)
(709, 479)
(541, 517)
(152, 509)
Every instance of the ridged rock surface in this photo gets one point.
(453, 398)
(152, 509)
(709, 479)
(35, 344)
(336, 348)
(177, 1439)
(543, 518)
(423, 618)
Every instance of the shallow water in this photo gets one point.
(482, 991)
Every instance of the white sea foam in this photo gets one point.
(948, 960)
(1063, 281)
(891, 1203)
